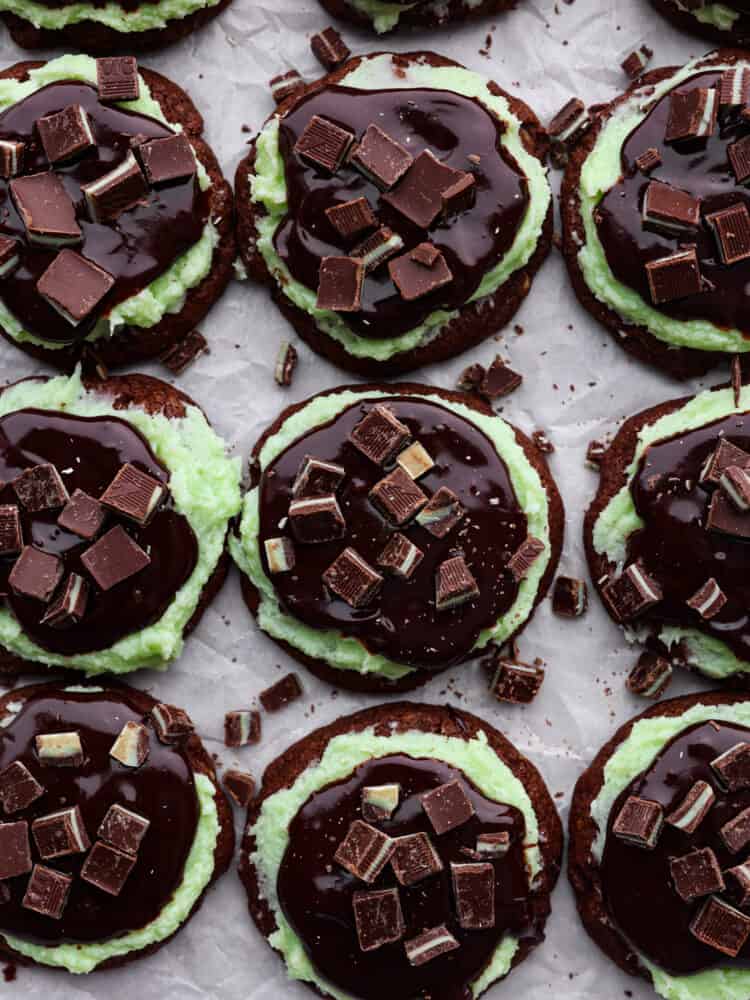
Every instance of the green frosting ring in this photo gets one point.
(147, 17)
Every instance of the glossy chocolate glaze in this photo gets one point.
(402, 623)
(450, 126)
(316, 894)
(135, 249)
(701, 168)
(162, 790)
(88, 452)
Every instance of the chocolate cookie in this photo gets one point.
(116, 236)
(424, 868)
(423, 14)
(656, 215)
(405, 243)
(390, 532)
(113, 825)
(727, 23)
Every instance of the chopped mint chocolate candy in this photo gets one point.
(40, 488)
(454, 584)
(724, 517)
(674, 277)
(340, 284)
(737, 379)
(281, 694)
(415, 460)
(167, 160)
(419, 195)
(60, 833)
(649, 160)
(719, 926)
(499, 380)
(459, 197)
(352, 579)
(693, 808)
(426, 254)
(400, 556)
(650, 676)
(635, 63)
(36, 574)
(82, 515)
(329, 48)
(595, 452)
(414, 279)
(47, 892)
(378, 248)
(570, 597)
(11, 536)
(123, 829)
(723, 457)
(316, 519)
(379, 802)
(447, 807)
(542, 442)
(378, 918)
(284, 85)
(115, 192)
(474, 893)
(10, 255)
(15, 850)
(516, 683)
(567, 126)
(114, 558)
(639, 822)
(74, 286)
(59, 749)
(107, 868)
(734, 90)
(46, 209)
(398, 497)
(708, 600)
(181, 355)
(381, 159)
(117, 79)
(350, 218)
(430, 944)
(692, 114)
(472, 377)
(442, 513)
(524, 557)
(631, 593)
(379, 435)
(134, 495)
(365, 851)
(739, 158)
(66, 134)
(738, 883)
(732, 767)
(131, 747)
(670, 210)
(323, 145)
(286, 363)
(241, 727)
(493, 845)
(317, 478)
(18, 788)
(172, 724)
(414, 859)
(69, 607)
(240, 787)
(731, 228)
(736, 833)
(11, 157)
(279, 555)
(696, 874)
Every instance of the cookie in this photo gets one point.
(727, 23)
(113, 827)
(464, 850)
(654, 849)
(646, 220)
(393, 531)
(121, 261)
(384, 17)
(110, 554)
(401, 270)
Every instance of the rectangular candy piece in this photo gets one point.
(493, 845)
(134, 494)
(82, 515)
(425, 254)
(732, 767)
(447, 807)
(11, 157)
(59, 749)
(40, 488)
(738, 883)
(499, 380)
(419, 196)
(398, 497)
(735, 482)
(542, 442)
(365, 851)
(708, 600)
(379, 802)
(381, 159)
(736, 833)
(566, 128)
(46, 209)
(454, 584)
(415, 460)
(36, 574)
(167, 160)
(181, 355)
(114, 558)
(74, 286)
(352, 578)
(11, 536)
(66, 134)
(442, 513)
(18, 788)
(378, 918)
(639, 822)
(240, 787)
(123, 829)
(595, 453)
(674, 277)
(107, 868)
(115, 192)
(430, 944)
(15, 850)
(69, 607)
(631, 593)
(10, 255)
(323, 144)
(379, 435)
(650, 676)
(316, 478)
(734, 90)
(47, 892)
(635, 63)
(378, 248)
(731, 229)
(415, 859)
(471, 377)
(172, 724)
(693, 808)
(524, 557)
(340, 284)
(279, 555)
(316, 519)
(414, 279)
(329, 48)
(286, 362)
(570, 597)
(696, 874)
(474, 893)
(670, 210)
(459, 197)
(117, 79)
(649, 160)
(739, 158)
(131, 747)
(721, 927)
(284, 85)
(60, 833)
(241, 727)
(722, 458)
(692, 114)
(350, 218)
(516, 683)
(281, 694)
(724, 517)
(400, 556)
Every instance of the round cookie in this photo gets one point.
(370, 621)
(627, 895)
(151, 271)
(691, 313)
(114, 586)
(469, 282)
(727, 22)
(421, 748)
(383, 16)
(120, 816)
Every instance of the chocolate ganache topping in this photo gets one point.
(395, 523)
(76, 573)
(111, 838)
(72, 248)
(410, 917)
(414, 168)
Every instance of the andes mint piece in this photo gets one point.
(415, 859)
(181, 355)
(117, 79)
(131, 747)
(454, 584)
(639, 822)
(732, 767)
(18, 788)
(107, 868)
(35, 573)
(378, 918)
(378, 248)
(649, 160)
(340, 284)
(316, 478)
(46, 209)
(59, 749)
(524, 557)
(69, 607)
(123, 829)
(708, 600)
(167, 160)
(737, 379)
(721, 927)
(115, 192)
(414, 279)
(696, 874)
(670, 210)
(650, 676)
(114, 558)
(734, 90)
(323, 144)
(350, 218)
(415, 460)
(419, 196)
(735, 482)
(731, 228)
(379, 802)
(674, 277)
(398, 497)
(426, 254)
(352, 579)
(316, 519)
(47, 892)
(134, 494)
(379, 435)
(725, 455)
(442, 513)
(74, 286)
(724, 517)
(542, 442)
(474, 893)
(736, 833)
(365, 851)
(40, 488)
(493, 845)
(279, 555)
(570, 597)
(447, 807)
(566, 128)
(459, 197)
(499, 380)
(739, 883)
(430, 944)
(635, 63)
(60, 833)
(517, 683)
(11, 157)
(631, 593)
(240, 787)
(471, 378)
(11, 537)
(10, 255)
(400, 556)
(82, 515)
(241, 728)
(172, 724)
(66, 134)
(15, 850)
(286, 362)
(285, 85)
(692, 114)
(281, 694)
(595, 453)
(329, 48)
(381, 159)
(739, 158)
(693, 808)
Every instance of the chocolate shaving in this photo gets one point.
(471, 377)
(281, 694)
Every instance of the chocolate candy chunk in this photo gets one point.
(419, 196)
(693, 808)
(379, 435)
(732, 767)
(430, 944)
(107, 868)
(11, 157)
(442, 513)
(329, 48)
(131, 747)
(708, 600)
(82, 515)
(286, 362)
(316, 478)
(725, 456)
(10, 255)
(114, 558)
(517, 683)
(59, 749)
(47, 892)
(74, 286)
(670, 210)
(167, 160)
(35, 573)
(117, 79)
(69, 607)
(447, 807)
(414, 278)
(635, 63)
(724, 517)
(15, 850)
(425, 254)
(454, 584)
(471, 378)
(352, 579)
(734, 90)
(398, 497)
(737, 379)
(378, 918)
(499, 380)
(279, 555)
(115, 192)
(570, 597)
(639, 822)
(674, 277)
(400, 556)
(524, 557)
(181, 355)
(365, 851)
(649, 160)
(542, 442)
(474, 893)
(381, 159)
(632, 593)
(379, 802)
(493, 845)
(241, 728)
(316, 519)
(66, 134)
(731, 228)
(595, 453)
(738, 883)
(46, 209)
(736, 833)
(415, 859)
(566, 128)
(123, 829)
(40, 488)
(415, 460)
(692, 114)
(323, 144)
(378, 248)
(285, 85)
(721, 927)
(650, 676)
(134, 494)
(350, 218)
(696, 874)
(340, 284)
(459, 197)
(18, 788)
(11, 537)
(240, 787)
(739, 158)
(60, 833)
(172, 724)
(281, 694)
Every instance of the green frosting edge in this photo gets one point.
(144, 18)
(347, 653)
(385, 16)
(268, 188)
(205, 488)
(342, 755)
(718, 15)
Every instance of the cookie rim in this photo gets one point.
(457, 13)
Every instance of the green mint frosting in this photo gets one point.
(144, 18)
